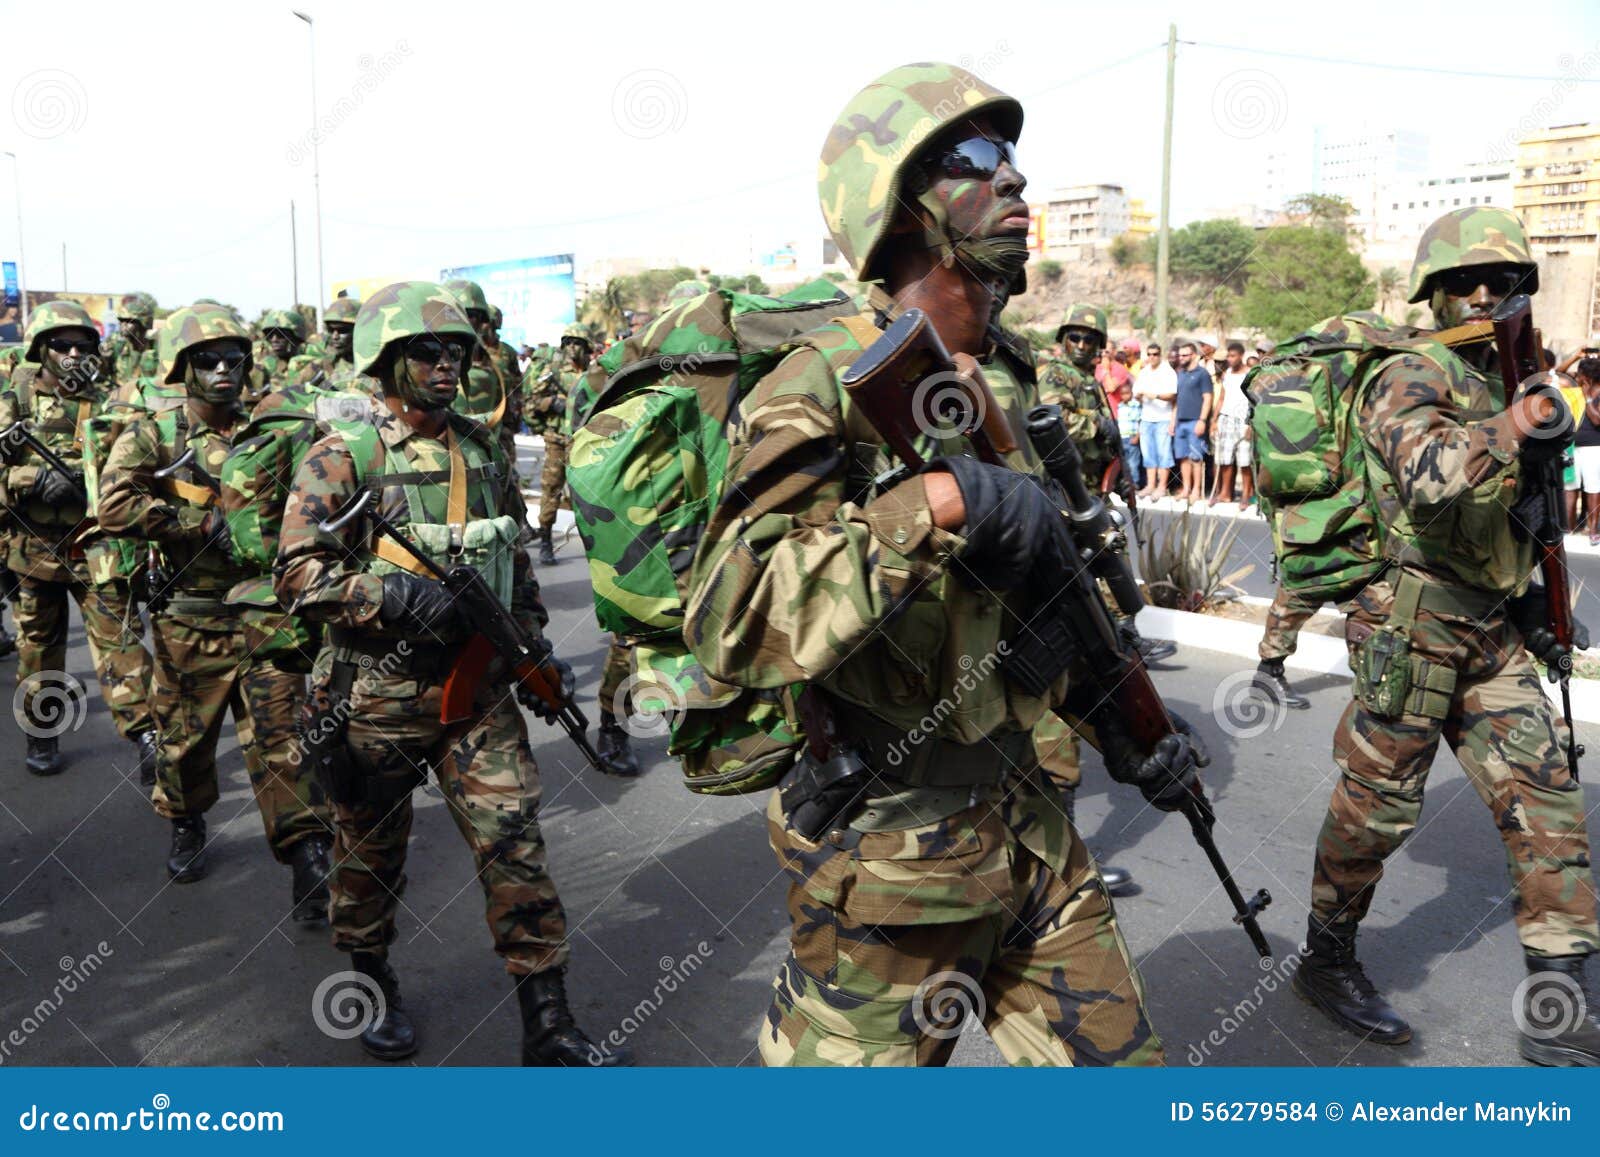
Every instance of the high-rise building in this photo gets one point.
(1360, 164)
(1557, 176)
(1408, 206)
(1079, 216)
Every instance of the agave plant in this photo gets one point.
(1185, 562)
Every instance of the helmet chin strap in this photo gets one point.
(1002, 260)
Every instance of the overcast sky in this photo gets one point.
(163, 142)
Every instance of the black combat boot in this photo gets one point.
(309, 859)
(145, 741)
(1270, 681)
(1558, 1024)
(547, 548)
(1330, 977)
(1118, 881)
(391, 1035)
(616, 757)
(1150, 650)
(550, 1037)
(8, 642)
(44, 756)
(186, 862)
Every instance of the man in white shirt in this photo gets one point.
(1230, 435)
(1156, 387)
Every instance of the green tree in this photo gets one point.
(1218, 310)
(1391, 282)
(1128, 250)
(1299, 275)
(648, 290)
(1215, 252)
(1049, 270)
(603, 309)
(1320, 211)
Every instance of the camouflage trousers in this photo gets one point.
(997, 911)
(553, 480)
(1288, 613)
(1509, 742)
(614, 676)
(112, 628)
(205, 669)
(490, 783)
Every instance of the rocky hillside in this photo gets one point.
(1123, 293)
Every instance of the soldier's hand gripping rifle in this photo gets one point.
(1522, 369)
(498, 633)
(18, 434)
(1069, 628)
(157, 581)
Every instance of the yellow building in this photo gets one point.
(1557, 184)
(1141, 221)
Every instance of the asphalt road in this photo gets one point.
(676, 908)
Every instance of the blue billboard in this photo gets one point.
(538, 295)
(11, 308)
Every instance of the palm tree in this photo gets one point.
(1389, 285)
(1219, 310)
(604, 309)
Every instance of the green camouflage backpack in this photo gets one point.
(1309, 464)
(646, 468)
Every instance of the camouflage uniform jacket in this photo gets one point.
(134, 504)
(60, 421)
(804, 576)
(328, 578)
(556, 384)
(129, 365)
(1443, 472)
(304, 366)
(1082, 404)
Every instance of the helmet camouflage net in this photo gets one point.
(693, 287)
(577, 331)
(342, 310)
(139, 306)
(1481, 235)
(1081, 315)
(54, 315)
(286, 319)
(883, 130)
(469, 295)
(403, 310)
(188, 327)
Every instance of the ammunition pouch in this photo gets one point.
(402, 658)
(322, 731)
(1390, 681)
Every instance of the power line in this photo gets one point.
(1254, 50)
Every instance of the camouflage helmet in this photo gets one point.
(402, 310)
(1081, 315)
(285, 319)
(342, 310)
(54, 315)
(496, 318)
(139, 306)
(1481, 235)
(469, 295)
(879, 133)
(577, 331)
(189, 327)
(693, 287)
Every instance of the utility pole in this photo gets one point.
(1164, 231)
(22, 273)
(294, 256)
(316, 165)
(64, 285)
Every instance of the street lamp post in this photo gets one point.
(316, 163)
(22, 280)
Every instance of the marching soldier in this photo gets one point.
(159, 485)
(333, 358)
(56, 393)
(1443, 644)
(131, 350)
(439, 475)
(549, 409)
(283, 336)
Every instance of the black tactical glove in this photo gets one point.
(1167, 774)
(1110, 435)
(215, 534)
(1530, 615)
(1550, 439)
(1010, 519)
(558, 674)
(413, 605)
(558, 406)
(54, 488)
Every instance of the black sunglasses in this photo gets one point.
(215, 359)
(431, 351)
(977, 156)
(1464, 281)
(62, 345)
(1081, 337)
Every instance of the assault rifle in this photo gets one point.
(498, 634)
(18, 432)
(1069, 630)
(156, 579)
(1521, 355)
